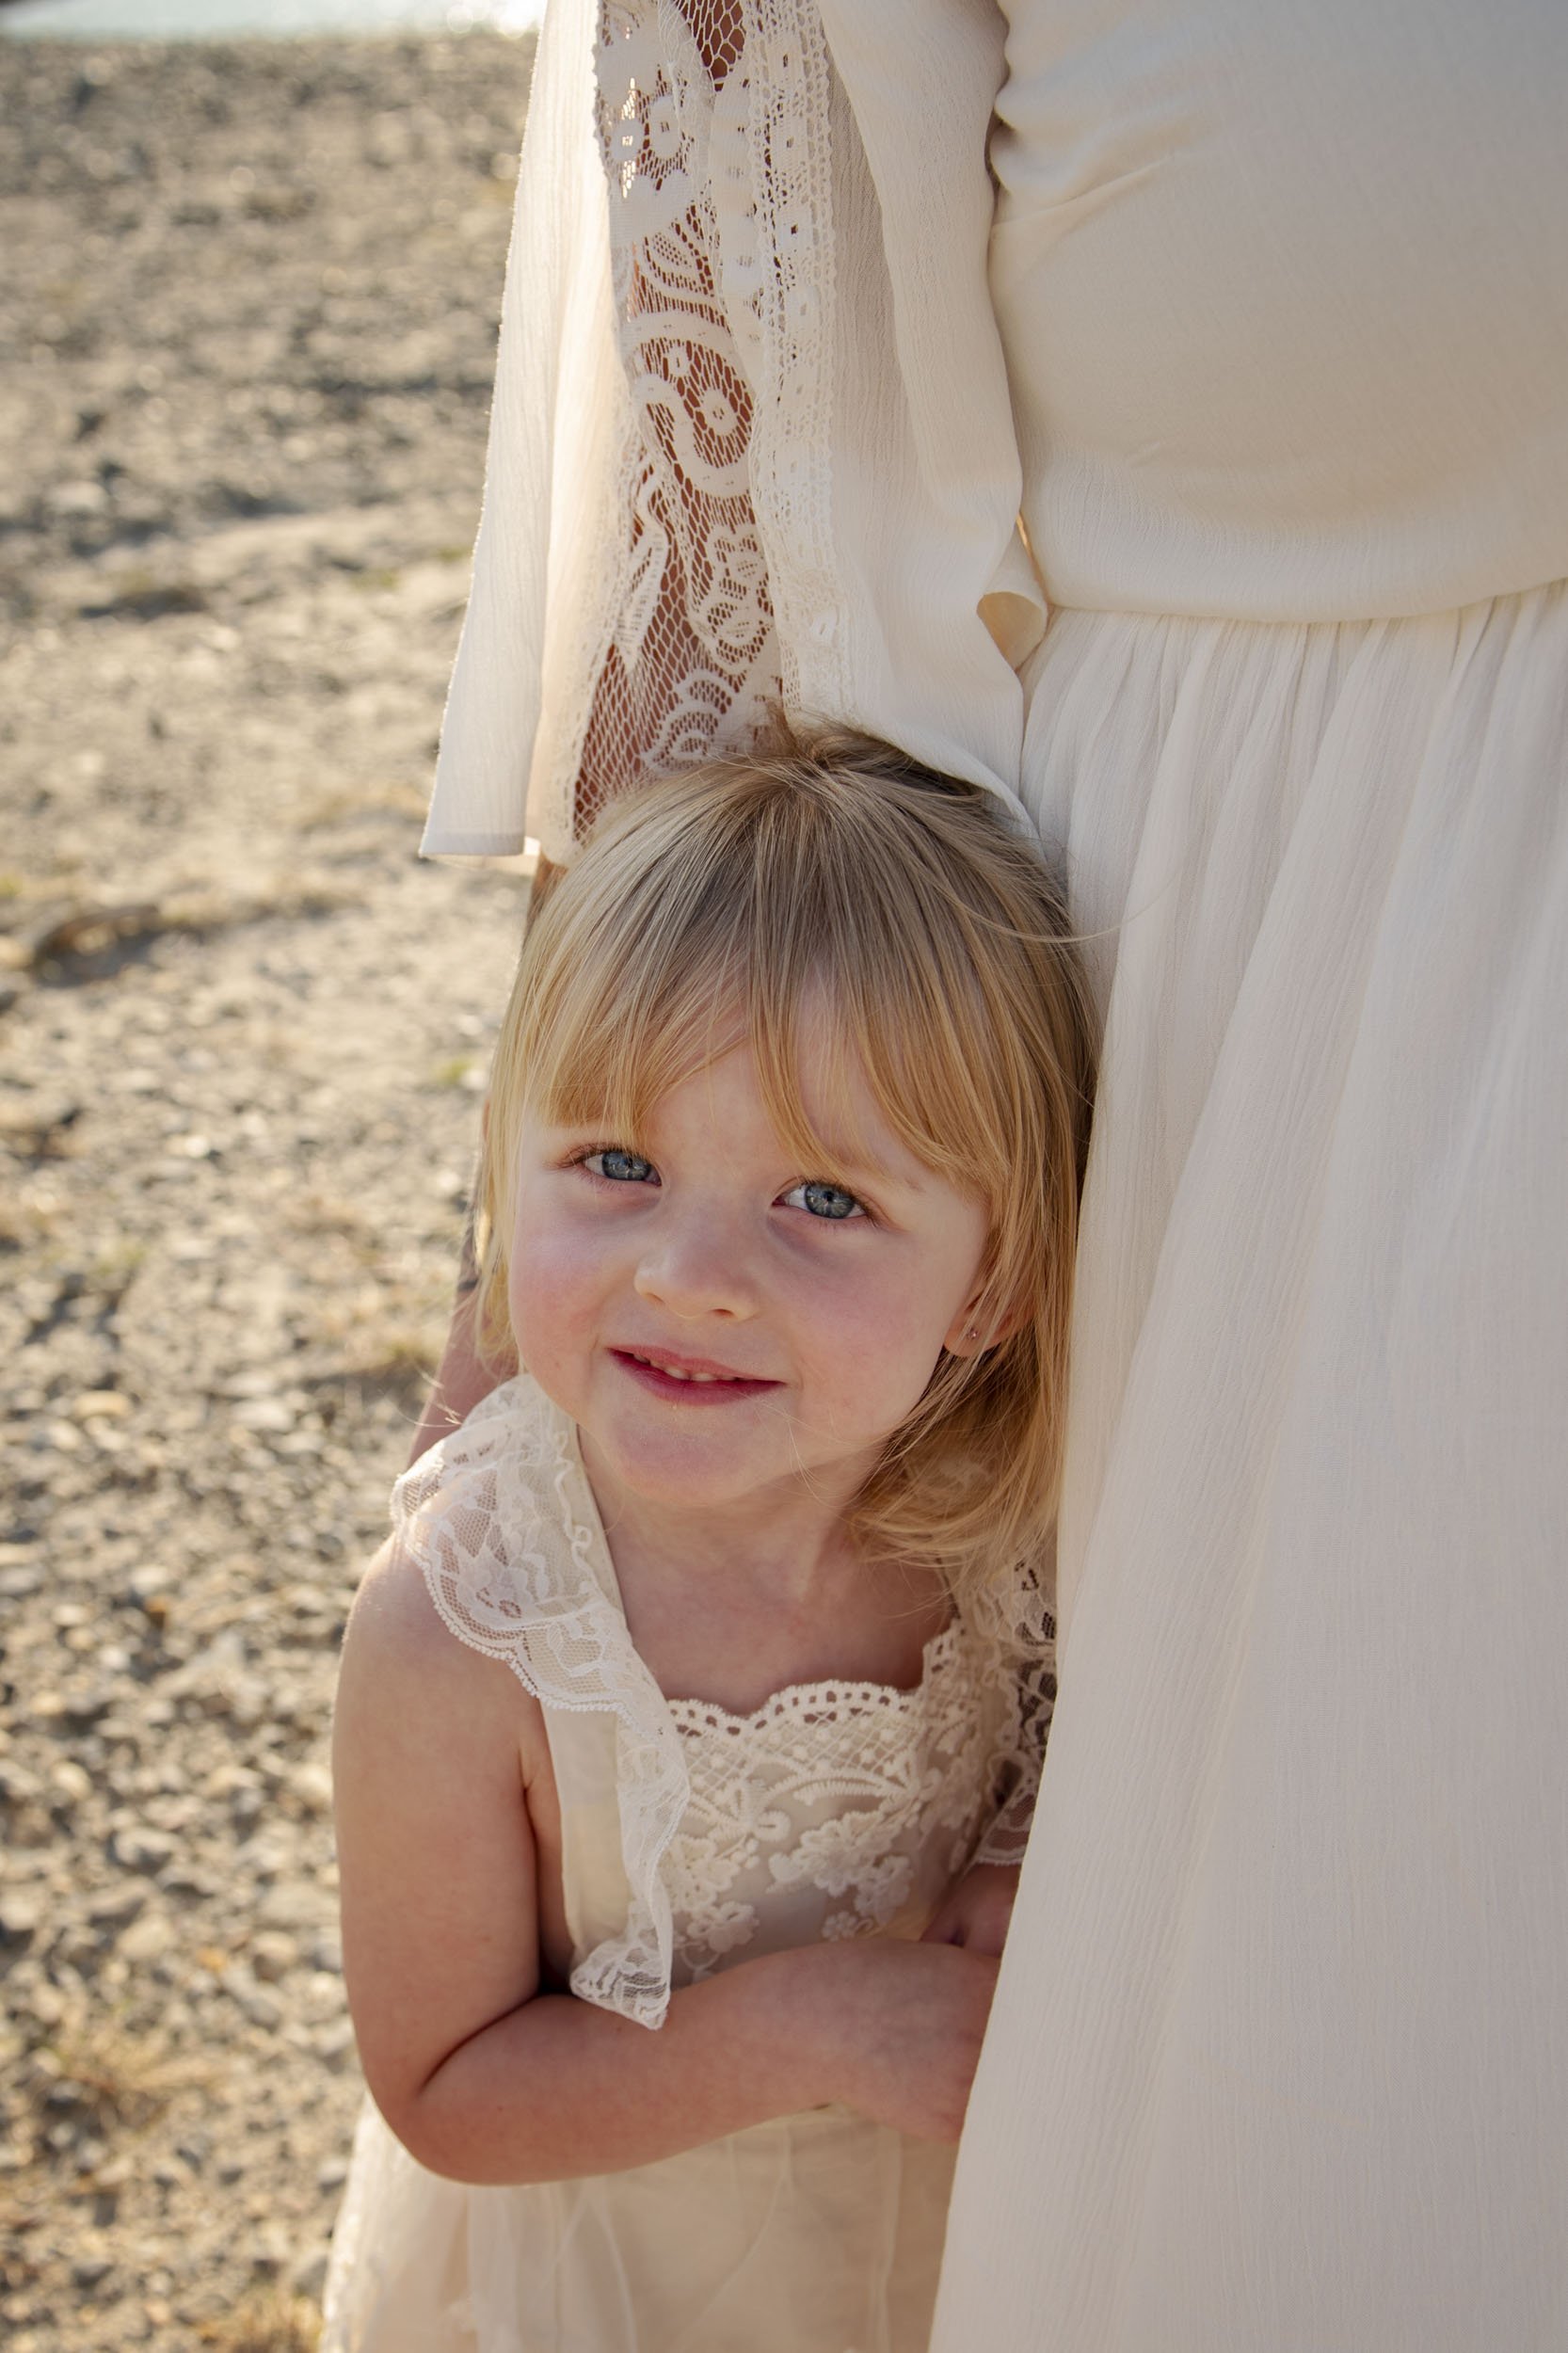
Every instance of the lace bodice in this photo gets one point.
(832, 1810)
(695, 1837)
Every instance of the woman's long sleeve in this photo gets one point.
(751, 443)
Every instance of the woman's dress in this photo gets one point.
(692, 1839)
(1257, 316)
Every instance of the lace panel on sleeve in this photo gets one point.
(493, 1517)
(712, 123)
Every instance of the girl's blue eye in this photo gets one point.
(621, 1168)
(820, 1199)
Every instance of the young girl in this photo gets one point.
(672, 1886)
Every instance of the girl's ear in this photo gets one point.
(977, 1328)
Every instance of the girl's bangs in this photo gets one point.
(612, 1034)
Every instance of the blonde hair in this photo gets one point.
(724, 905)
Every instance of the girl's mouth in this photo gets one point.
(689, 1380)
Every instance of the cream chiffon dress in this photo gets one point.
(693, 1840)
(1162, 413)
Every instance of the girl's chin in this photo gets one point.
(684, 1477)
(676, 1472)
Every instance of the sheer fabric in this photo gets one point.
(1262, 328)
(692, 1839)
(741, 452)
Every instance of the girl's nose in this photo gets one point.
(697, 1267)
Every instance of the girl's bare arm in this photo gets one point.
(484, 2077)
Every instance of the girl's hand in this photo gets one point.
(976, 1909)
(903, 2025)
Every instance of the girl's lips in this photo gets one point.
(688, 1380)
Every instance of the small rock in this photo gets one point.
(321, 1995)
(264, 1415)
(262, 2008)
(189, 1879)
(290, 1904)
(18, 1786)
(270, 2250)
(87, 2270)
(100, 1405)
(311, 1783)
(21, 1917)
(149, 1582)
(273, 1955)
(333, 2044)
(83, 1707)
(141, 1848)
(117, 1905)
(69, 1783)
(148, 1938)
(78, 498)
(332, 2174)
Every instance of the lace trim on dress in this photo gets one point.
(501, 1522)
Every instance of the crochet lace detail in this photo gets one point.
(835, 1809)
(712, 125)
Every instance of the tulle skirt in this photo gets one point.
(815, 2233)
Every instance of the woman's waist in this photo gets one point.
(1110, 536)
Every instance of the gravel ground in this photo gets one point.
(249, 294)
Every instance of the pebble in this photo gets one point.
(273, 1955)
(115, 1906)
(148, 1938)
(21, 1916)
(141, 1850)
(270, 2248)
(70, 1783)
(311, 1784)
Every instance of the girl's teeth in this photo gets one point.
(670, 1373)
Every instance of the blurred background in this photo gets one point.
(249, 291)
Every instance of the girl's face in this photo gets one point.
(730, 1329)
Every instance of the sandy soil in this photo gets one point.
(249, 294)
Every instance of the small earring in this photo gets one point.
(973, 1332)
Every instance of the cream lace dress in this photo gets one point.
(693, 1840)
(1256, 312)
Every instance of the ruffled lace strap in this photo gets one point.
(501, 1523)
(1014, 1621)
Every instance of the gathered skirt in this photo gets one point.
(1280, 2051)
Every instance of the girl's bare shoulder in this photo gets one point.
(399, 1655)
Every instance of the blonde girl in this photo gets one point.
(673, 1886)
